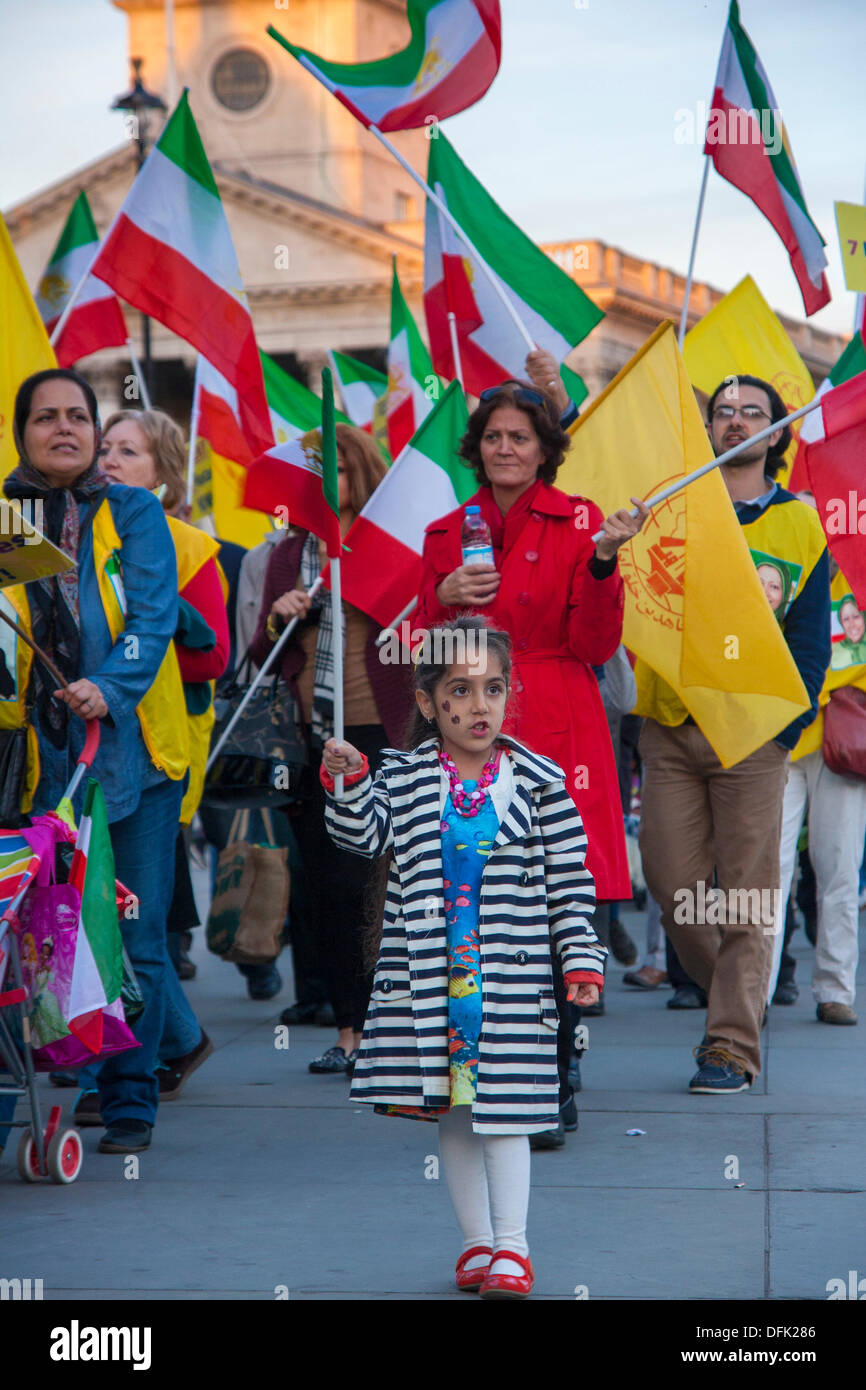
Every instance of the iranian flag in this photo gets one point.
(170, 254)
(851, 362)
(555, 310)
(223, 455)
(97, 319)
(748, 143)
(451, 59)
(297, 476)
(94, 1005)
(382, 562)
(360, 387)
(834, 464)
(398, 413)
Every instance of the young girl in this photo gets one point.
(486, 874)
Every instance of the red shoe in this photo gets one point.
(509, 1285)
(470, 1280)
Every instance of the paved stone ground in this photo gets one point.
(262, 1175)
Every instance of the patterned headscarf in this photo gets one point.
(54, 601)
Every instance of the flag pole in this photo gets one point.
(71, 301)
(724, 458)
(404, 613)
(258, 678)
(139, 375)
(193, 439)
(452, 323)
(428, 192)
(329, 474)
(688, 291)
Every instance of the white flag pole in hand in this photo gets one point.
(331, 490)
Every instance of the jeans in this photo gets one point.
(143, 845)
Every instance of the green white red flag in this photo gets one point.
(834, 465)
(97, 973)
(294, 475)
(382, 561)
(849, 364)
(96, 320)
(748, 144)
(361, 386)
(170, 254)
(412, 385)
(555, 310)
(450, 61)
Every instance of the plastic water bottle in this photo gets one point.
(475, 539)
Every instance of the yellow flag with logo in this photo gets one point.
(742, 334)
(24, 345)
(695, 612)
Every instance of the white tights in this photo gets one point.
(488, 1179)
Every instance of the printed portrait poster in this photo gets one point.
(847, 633)
(779, 579)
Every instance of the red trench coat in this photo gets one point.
(562, 622)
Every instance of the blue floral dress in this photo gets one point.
(466, 843)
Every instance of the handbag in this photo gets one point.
(13, 768)
(265, 760)
(844, 746)
(250, 897)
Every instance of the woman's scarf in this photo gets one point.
(54, 601)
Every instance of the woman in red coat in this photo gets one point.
(557, 593)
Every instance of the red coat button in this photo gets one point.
(523, 599)
(523, 644)
(536, 516)
(532, 556)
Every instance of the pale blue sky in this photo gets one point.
(575, 138)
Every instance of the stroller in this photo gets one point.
(54, 1151)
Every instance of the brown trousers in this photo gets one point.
(696, 818)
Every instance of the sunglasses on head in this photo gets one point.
(515, 390)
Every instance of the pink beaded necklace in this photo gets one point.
(470, 805)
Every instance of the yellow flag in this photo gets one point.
(24, 345)
(223, 480)
(742, 334)
(695, 610)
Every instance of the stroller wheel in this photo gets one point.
(27, 1158)
(65, 1156)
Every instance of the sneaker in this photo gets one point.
(87, 1113)
(334, 1060)
(126, 1137)
(836, 1013)
(549, 1138)
(719, 1072)
(623, 948)
(173, 1075)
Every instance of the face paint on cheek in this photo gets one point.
(455, 719)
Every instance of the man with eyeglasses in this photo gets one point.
(698, 818)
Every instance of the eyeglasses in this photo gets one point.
(746, 412)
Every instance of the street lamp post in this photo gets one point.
(141, 104)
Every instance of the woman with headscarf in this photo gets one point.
(107, 625)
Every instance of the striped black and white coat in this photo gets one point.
(535, 893)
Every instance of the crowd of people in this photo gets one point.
(454, 908)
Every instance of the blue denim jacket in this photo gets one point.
(149, 571)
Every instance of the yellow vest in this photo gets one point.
(165, 736)
(193, 549)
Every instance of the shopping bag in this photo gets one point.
(250, 898)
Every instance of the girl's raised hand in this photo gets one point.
(583, 994)
(340, 757)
